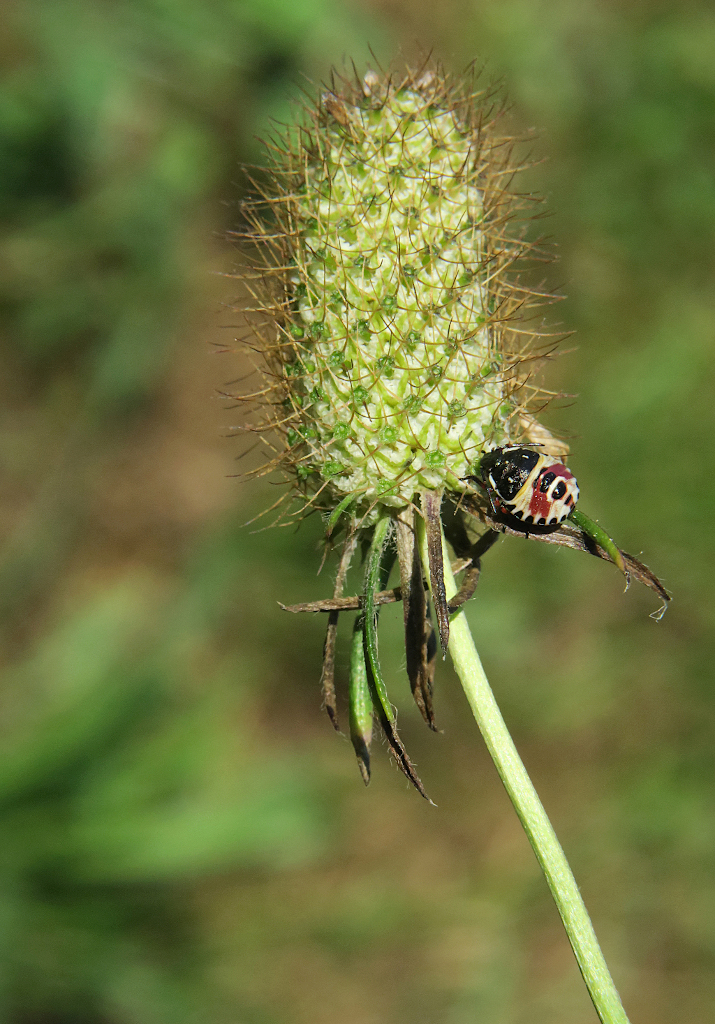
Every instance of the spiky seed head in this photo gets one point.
(399, 338)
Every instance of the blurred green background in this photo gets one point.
(184, 838)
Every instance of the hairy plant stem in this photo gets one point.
(529, 808)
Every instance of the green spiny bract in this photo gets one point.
(399, 341)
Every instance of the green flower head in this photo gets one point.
(403, 336)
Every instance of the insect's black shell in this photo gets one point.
(508, 470)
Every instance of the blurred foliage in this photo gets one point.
(184, 838)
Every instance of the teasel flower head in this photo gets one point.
(397, 343)
(401, 341)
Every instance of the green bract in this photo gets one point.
(400, 348)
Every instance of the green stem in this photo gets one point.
(531, 813)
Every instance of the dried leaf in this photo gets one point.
(420, 643)
(431, 506)
(327, 676)
(472, 573)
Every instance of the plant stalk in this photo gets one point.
(529, 808)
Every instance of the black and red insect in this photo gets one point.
(534, 488)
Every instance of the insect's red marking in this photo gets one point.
(540, 505)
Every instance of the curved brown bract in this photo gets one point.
(567, 535)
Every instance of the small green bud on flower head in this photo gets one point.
(398, 328)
